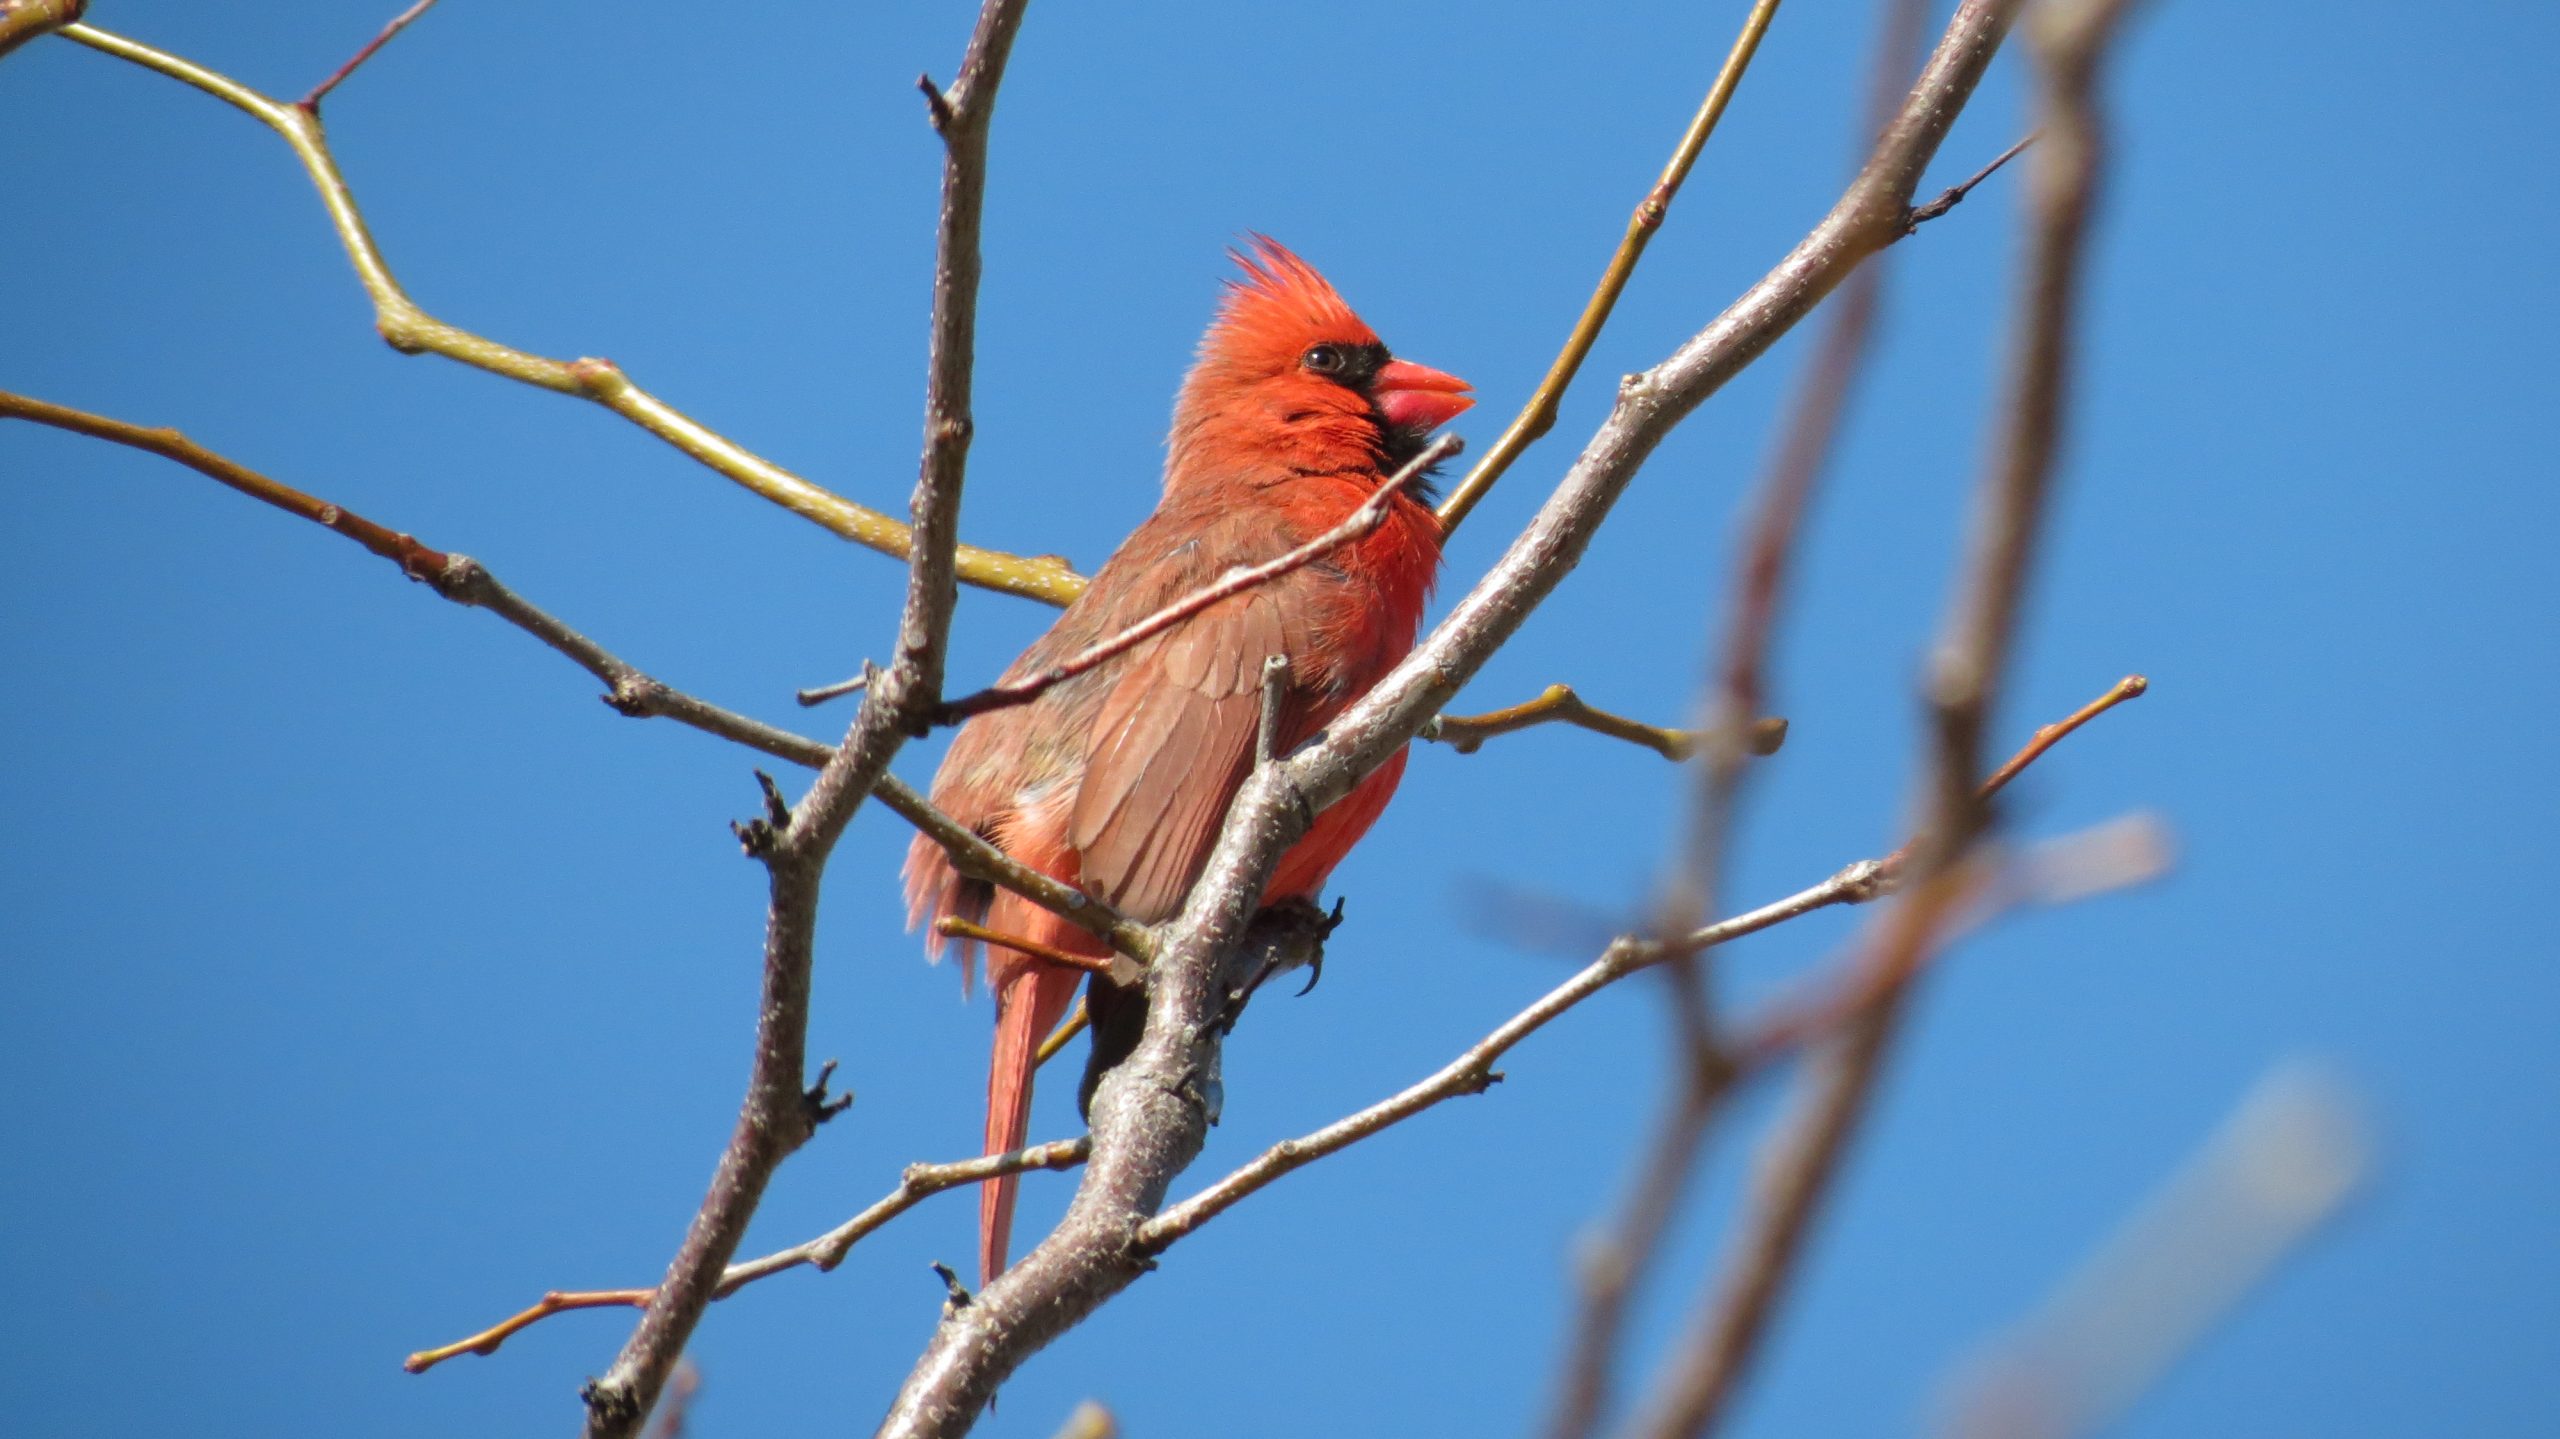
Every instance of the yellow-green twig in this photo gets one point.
(411, 330)
(1539, 415)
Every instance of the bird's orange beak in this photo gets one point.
(1417, 397)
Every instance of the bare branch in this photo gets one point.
(1804, 1156)
(1472, 1071)
(1558, 704)
(1954, 195)
(411, 330)
(1117, 968)
(920, 1182)
(776, 1116)
(399, 22)
(1700, 1076)
(1539, 415)
(1359, 524)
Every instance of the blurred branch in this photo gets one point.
(1558, 704)
(677, 1407)
(411, 330)
(2277, 1170)
(1149, 1113)
(399, 22)
(1539, 415)
(24, 20)
(794, 842)
(824, 1253)
(1089, 1421)
(1359, 524)
(1619, 1258)
(1803, 1157)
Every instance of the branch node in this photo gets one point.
(810, 698)
(609, 1402)
(635, 696)
(1952, 196)
(956, 1296)
(937, 110)
(761, 836)
(821, 1106)
(1275, 692)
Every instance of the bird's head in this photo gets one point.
(1288, 374)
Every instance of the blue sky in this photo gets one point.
(364, 977)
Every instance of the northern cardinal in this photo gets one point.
(1117, 780)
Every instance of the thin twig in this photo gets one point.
(1118, 967)
(1359, 524)
(1539, 415)
(1558, 704)
(411, 330)
(1804, 1155)
(1954, 195)
(1059, 1038)
(811, 698)
(825, 1252)
(399, 22)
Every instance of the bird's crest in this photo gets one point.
(1279, 306)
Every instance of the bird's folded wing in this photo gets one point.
(1172, 743)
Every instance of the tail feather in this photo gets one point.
(1029, 1003)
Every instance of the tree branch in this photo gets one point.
(399, 22)
(411, 330)
(1539, 415)
(824, 1253)
(1804, 1156)
(1785, 1028)
(776, 1117)
(1558, 704)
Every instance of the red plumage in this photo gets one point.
(1116, 780)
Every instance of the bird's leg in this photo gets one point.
(1118, 1015)
(1286, 936)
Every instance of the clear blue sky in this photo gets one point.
(361, 977)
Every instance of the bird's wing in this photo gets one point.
(1172, 742)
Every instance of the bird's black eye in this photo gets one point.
(1324, 359)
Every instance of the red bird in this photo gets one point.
(1117, 780)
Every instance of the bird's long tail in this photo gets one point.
(1029, 1003)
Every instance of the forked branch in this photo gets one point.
(409, 329)
(824, 1253)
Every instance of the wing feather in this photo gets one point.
(1173, 741)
